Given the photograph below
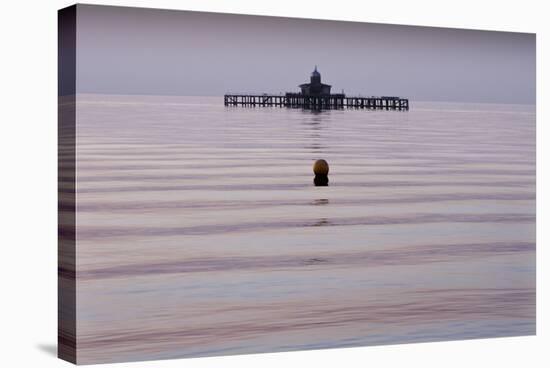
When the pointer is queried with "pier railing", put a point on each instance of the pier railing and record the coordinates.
(321, 102)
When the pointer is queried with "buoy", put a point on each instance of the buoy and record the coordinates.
(320, 168)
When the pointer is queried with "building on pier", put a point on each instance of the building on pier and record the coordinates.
(315, 87)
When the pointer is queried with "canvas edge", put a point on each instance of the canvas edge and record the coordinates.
(66, 187)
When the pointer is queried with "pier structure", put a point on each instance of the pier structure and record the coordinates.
(334, 101)
(316, 96)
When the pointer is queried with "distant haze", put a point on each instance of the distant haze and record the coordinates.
(167, 52)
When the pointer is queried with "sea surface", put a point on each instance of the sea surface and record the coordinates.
(200, 231)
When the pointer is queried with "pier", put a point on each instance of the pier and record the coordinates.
(316, 96)
(321, 102)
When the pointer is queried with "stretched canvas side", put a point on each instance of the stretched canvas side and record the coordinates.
(67, 184)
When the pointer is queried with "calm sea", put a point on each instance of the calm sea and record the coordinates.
(200, 231)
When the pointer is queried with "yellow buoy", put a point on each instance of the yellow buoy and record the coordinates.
(320, 168)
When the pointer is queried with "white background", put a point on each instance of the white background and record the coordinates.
(28, 154)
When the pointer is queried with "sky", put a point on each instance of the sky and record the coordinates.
(123, 50)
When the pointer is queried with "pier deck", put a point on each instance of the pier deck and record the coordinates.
(322, 102)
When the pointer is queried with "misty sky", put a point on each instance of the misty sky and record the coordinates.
(162, 52)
